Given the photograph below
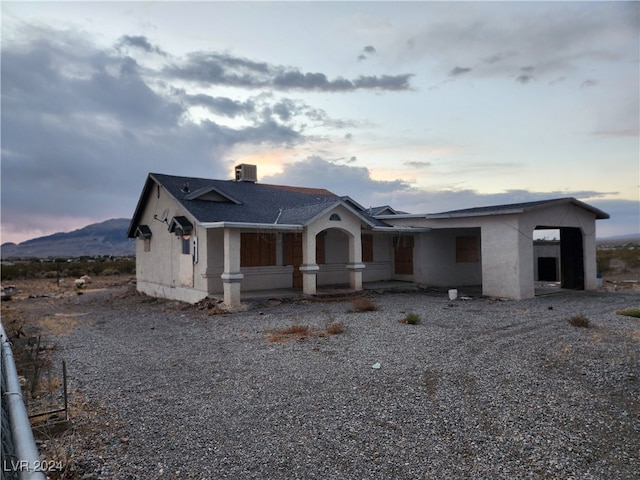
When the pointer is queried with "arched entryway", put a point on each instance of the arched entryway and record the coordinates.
(335, 239)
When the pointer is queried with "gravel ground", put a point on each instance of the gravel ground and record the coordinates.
(480, 389)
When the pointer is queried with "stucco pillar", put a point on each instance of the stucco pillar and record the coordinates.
(355, 265)
(355, 275)
(503, 252)
(231, 276)
(309, 267)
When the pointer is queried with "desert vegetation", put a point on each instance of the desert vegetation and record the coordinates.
(67, 268)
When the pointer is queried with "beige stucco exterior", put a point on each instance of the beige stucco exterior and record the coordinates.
(212, 265)
(208, 262)
(506, 266)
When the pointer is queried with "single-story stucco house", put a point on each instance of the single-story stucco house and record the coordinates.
(199, 238)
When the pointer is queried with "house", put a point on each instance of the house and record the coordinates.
(199, 238)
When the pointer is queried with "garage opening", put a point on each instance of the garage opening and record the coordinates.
(559, 256)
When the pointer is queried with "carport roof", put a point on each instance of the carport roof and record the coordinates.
(505, 209)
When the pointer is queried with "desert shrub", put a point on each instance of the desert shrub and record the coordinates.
(334, 328)
(579, 321)
(630, 312)
(110, 271)
(411, 318)
(363, 304)
(52, 274)
(292, 332)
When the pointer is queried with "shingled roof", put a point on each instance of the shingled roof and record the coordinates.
(228, 201)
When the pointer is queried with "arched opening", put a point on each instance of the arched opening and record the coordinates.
(332, 256)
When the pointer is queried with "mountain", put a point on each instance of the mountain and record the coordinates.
(105, 238)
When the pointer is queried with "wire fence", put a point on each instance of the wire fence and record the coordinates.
(20, 456)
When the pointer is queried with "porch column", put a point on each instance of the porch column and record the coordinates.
(309, 267)
(355, 275)
(355, 265)
(231, 276)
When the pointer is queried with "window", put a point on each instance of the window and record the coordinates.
(367, 248)
(257, 249)
(144, 232)
(467, 249)
(335, 217)
(186, 247)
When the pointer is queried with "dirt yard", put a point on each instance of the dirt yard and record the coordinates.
(582, 406)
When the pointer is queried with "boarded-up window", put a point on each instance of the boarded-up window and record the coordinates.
(367, 248)
(403, 255)
(257, 249)
(320, 248)
(467, 249)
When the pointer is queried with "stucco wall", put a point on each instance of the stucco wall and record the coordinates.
(437, 260)
(507, 245)
(569, 215)
(164, 271)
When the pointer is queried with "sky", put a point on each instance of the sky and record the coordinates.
(423, 106)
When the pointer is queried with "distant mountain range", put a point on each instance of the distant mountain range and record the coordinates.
(105, 238)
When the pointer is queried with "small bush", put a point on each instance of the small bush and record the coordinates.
(411, 319)
(579, 321)
(630, 312)
(334, 328)
(110, 271)
(362, 304)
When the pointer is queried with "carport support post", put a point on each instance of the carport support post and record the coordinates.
(231, 277)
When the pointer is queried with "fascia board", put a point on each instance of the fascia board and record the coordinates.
(260, 226)
(402, 229)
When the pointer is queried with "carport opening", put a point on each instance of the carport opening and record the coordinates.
(559, 256)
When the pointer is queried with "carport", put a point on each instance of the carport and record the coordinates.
(505, 263)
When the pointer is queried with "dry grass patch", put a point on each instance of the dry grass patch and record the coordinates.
(299, 332)
(57, 325)
(363, 304)
(579, 321)
(288, 334)
(334, 328)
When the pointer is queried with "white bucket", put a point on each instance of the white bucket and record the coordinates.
(453, 294)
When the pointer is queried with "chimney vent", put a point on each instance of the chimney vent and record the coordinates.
(246, 173)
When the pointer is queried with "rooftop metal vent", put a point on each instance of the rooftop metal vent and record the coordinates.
(246, 173)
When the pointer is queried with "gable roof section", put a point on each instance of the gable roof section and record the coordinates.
(228, 201)
(506, 209)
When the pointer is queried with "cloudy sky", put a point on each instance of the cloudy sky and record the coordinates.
(424, 106)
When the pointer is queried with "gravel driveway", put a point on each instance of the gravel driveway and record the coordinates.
(479, 389)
